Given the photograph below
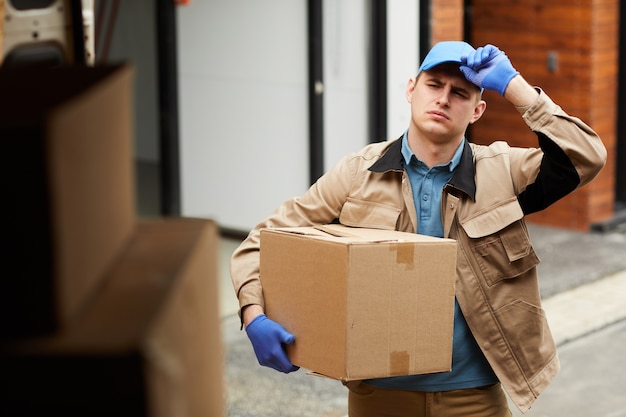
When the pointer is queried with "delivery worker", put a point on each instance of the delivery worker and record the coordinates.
(433, 181)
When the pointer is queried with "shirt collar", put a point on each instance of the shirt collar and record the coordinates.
(408, 154)
(462, 179)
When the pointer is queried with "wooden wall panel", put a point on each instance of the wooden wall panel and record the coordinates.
(603, 101)
(446, 20)
(582, 36)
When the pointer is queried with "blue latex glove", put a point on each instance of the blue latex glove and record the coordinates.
(488, 67)
(267, 339)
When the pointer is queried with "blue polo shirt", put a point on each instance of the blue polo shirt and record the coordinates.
(470, 369)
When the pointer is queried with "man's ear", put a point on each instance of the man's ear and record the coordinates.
(479, 110)
(410, 87)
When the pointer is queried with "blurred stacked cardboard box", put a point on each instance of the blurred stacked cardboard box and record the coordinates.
(100, 314)
(67, 183)
(146, 345)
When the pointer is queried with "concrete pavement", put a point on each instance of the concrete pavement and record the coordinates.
(592, 380)
(583, 282)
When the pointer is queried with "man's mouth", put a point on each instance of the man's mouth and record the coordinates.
(438, 114)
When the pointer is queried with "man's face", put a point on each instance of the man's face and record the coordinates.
(443, 104)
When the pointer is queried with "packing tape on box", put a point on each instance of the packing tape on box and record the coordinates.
(405, 254)
(399, 363)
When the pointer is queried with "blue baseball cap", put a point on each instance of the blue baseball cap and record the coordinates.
(448, 51)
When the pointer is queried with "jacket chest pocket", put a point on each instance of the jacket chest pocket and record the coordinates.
(363, 213)
(500, 243)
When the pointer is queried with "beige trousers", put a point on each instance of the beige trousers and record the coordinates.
(367, 401)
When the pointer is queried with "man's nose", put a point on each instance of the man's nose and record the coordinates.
(444, 97)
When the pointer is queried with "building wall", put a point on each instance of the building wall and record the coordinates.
(243, 108)
(243, 84)
(243, 91)
(446, 20)
(580, 40)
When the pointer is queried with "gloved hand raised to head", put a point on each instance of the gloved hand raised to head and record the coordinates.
(488, 67)
(268, 338)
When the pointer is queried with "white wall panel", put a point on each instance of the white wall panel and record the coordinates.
(402, 61)
(346, 38)
(243, 107)
(243, 75)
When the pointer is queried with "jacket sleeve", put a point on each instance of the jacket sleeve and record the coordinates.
(321, 204)
(573, 154)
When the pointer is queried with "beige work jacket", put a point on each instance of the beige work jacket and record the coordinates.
(483, 209)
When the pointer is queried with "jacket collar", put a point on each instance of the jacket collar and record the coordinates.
(462, 180)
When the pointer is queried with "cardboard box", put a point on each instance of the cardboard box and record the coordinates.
(361, 303)
(149, 343)
(67, 185)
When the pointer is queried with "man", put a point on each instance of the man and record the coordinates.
(433, 181)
